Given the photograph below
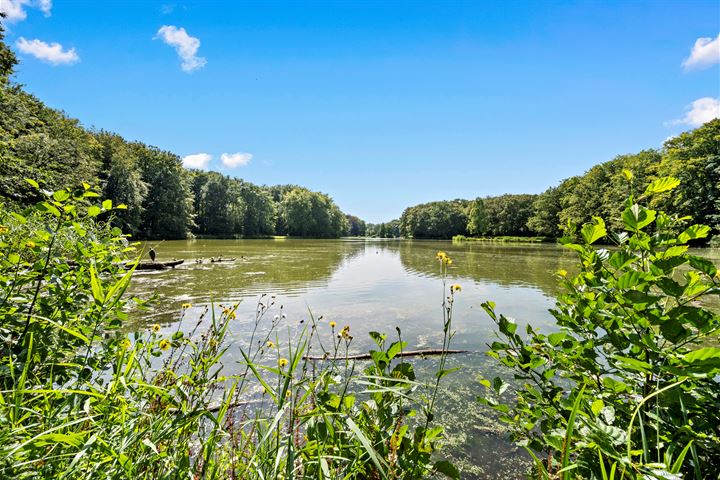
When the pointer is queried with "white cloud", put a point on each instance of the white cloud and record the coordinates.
(15, 9)
(197, 160)
(705, 52)
(185, 46)
(238, 159)
(699, 112)
(53, 53)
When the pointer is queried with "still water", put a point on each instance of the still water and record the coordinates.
(377, 285)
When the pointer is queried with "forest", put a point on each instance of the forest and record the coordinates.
(693, 157)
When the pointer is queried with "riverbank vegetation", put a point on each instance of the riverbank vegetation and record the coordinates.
(81, 397)
(629, 385)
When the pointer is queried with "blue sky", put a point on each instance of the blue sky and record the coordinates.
(382, 105)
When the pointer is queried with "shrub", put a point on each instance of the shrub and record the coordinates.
(629, 385)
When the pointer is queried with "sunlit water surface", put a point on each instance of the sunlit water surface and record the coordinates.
(375, 285)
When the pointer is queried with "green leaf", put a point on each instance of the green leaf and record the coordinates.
(614, 385)
(627, 174)
(631, 279)
(636, 217)
(702, 264)
(94, 211)
(694, 232)
(367, 445)
(107, 204)
(447, 468)
(403, 370)
(556, 338)
(634, 364)
(32, 182)
(597, 407)
(507, 326)
(97, 289)
(662, 185)
(395, 348)
(61, 195)
(703, 355)
(499, 385)
(592, 232)
(440, 374)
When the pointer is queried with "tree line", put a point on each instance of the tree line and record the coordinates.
(693, 157)
(163, 199)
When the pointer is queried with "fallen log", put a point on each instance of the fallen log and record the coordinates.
(406, 353)
(155, 265)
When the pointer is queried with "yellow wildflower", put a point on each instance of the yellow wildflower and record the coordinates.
(164, 344)
(226, 311)
(270, 344)
(232, 315)
(333, 324)
(125, 344)
(441, 255)
(456, 288)
(186, 305)
(3, 229)
(155, 328)
(30, 244)
(282, 362)
(345, 332)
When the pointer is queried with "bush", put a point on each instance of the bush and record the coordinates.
(629, 385)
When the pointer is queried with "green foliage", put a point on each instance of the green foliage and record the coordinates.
(508, 214)
(384, 230)
(356, 226)
(546, 207)
(694, 158)
(43, 144)
(168, 205)
(435, 220)
(311, 214)
(124, 184)
(8, 60)
(477, 218)
(631, 381)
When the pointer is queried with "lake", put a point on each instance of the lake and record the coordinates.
(376, 285)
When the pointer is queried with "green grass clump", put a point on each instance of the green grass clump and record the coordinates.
(503, 239)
